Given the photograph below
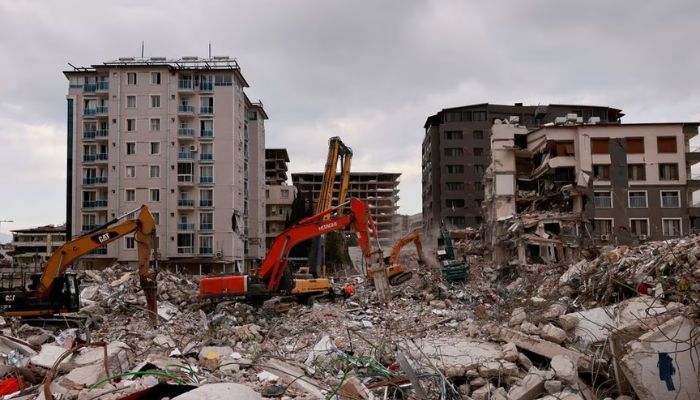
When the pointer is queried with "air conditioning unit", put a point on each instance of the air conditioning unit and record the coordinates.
(219, 254)
(193, 147)
(642, 237)
(605, 238)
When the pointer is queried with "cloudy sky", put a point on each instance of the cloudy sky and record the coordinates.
(368, 71)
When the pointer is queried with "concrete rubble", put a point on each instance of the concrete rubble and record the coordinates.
(619, 325)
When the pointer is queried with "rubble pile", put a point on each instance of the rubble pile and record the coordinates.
(621, 325)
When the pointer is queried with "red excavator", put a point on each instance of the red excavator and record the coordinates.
(273, 277)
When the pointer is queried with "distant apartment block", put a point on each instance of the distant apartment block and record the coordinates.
(279, 196)
(379, 189)
(456, 149)
(276, 166)
(33, 246)
(553, 190)
(177, 135)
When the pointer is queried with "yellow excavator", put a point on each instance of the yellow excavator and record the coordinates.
(394, 270)
(56, 291)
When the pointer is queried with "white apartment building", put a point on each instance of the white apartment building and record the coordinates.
(179, 136)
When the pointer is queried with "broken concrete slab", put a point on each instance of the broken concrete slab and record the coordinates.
(491, 369)
(552, 387)
(544, 348)
(528, 389)
(85, 376)
(553, 334)
(517, 317)
(449, 352)
(295, 374)
(221, 391)
(564, 368)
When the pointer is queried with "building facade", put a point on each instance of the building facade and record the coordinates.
(279, 196)
(379, 189)
(456, 149)
(254, 186)
(555, 190)
(175, 135)
(32, 247)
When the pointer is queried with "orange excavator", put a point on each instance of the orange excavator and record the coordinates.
(273, 277)
(394, 270)
(56, 291)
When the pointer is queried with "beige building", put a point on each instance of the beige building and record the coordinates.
(179, 136)
(279, 196)
(33, 246)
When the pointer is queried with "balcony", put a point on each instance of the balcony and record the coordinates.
(185, 132)
(89, 112)
(206, 110)
(100, 251)
(185, 155)
(102, 110)
(98, 134)
(185, 227)
(206, 180)
(206, 250)
(185, 85)
(206, 227)
(185, 179)
(94, 157)
(206, 86)
(185, 203)
(206, 134)
(694, 181)
(88, 227)
(103, 85)
(206, 203)
(98, 180)
(90, 88)
(692, 154)
(185, 109)
(95, 204)
(206, 157)
(185, 249)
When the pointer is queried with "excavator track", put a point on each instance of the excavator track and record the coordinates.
(400, 278)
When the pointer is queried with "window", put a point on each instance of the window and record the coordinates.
(154, 171)
(130, 101)
(636, 172)
(455, 169)
(668, 172)
(478, 186)
(130, 195)
(456, 221)
(206, 244)
(130, 171)
(206, 221)
(637, 199)
(478, 134)
(154, 194)
(602, 199)
(671, 227)
(599, 146)
(454, 151)
(155, 147)
(478, 169)
(479, 116)
(454, 135)
(130, 242)
(639, 226)
(155, 124)
(666, 144)
(252, 115)
(635, 146)
(284, 193)
(565, 149)
(130, 125)
(453, 116)
(670, 199)
(206, 174)
(603, 226)
(130, 148)
(601, 172)
(454, 203)
(454, 186)
(131, 78)
(477, 203)
(478, 151)
(155, 101)
(156, 217)
(155, 78)
(206, 198)
(267, 193)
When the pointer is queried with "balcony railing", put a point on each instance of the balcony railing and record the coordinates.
(102, 110)
(206, 227)
(206, 250)
(638, 202)
(99, 251)
(206, 86)
(103, 85)
(88, 227)
(185, 249)
(185, 203)
(94, 203)
(206, 203)
(185, 227)
(184, 84)
(185, 155)
(95, 157)
(95, 180)
(602, 202)
(206, 156)
(185, 178)
(187, 132)
(185, 109)
(206, 110)
(206, 134)
(90, 135)
(670, 202)
(206, 179)
(90, 111)
(90, 87)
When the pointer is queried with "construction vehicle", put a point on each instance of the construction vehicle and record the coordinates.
(453, 269)
(338, 152)
(394, 270)
(56, 291)
(273, 278)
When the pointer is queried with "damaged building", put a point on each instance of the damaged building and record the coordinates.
(556, 190)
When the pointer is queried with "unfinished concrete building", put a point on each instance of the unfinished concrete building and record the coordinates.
(379, 189)
(33, 246)
(456, 149)
(279, 196)
(570, 185)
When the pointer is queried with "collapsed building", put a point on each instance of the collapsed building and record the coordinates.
(569, 186)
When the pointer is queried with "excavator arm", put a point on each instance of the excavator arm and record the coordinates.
(414, 237)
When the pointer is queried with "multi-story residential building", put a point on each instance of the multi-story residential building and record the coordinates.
(279, 196)
(379, 189)
(554, 190)
(456, 149)
(415, 221)
(174, 135)
(33, 246)
(254, 187)
(276, 166)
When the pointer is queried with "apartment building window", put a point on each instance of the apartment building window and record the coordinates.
(453, 116)
(636, 172)
(206, 198)
(130, 171)
(252, 115)
(155, 148)
(454, 186)
(131, 78)
(185, 243)
(454, 203)
(155, 78)
(637, 199)
(154, 194)
(564, 149)
(206, 174)
(284, 193)
(478, 220)
(456, 221)
(130, 124)
(478, 186)
(668, 172)
(156, 217)
(154, 171)
(130, 101)
(603, 226)
(478, 151)
(454, 135)
(206, 244)
(454, 151)
(130, 242)
(602, 199)
(478, 134)
(670, 199)
(267, 193)
(206, 221)
(455, 169)
(477, 203)
(639, 226)
(478, 169)
(130, 194)
(601, 172)
(131, 148)
(155, 101)
(600, 146)
(478, 115)
(671, 227)
(635, 145)
(666, 144)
